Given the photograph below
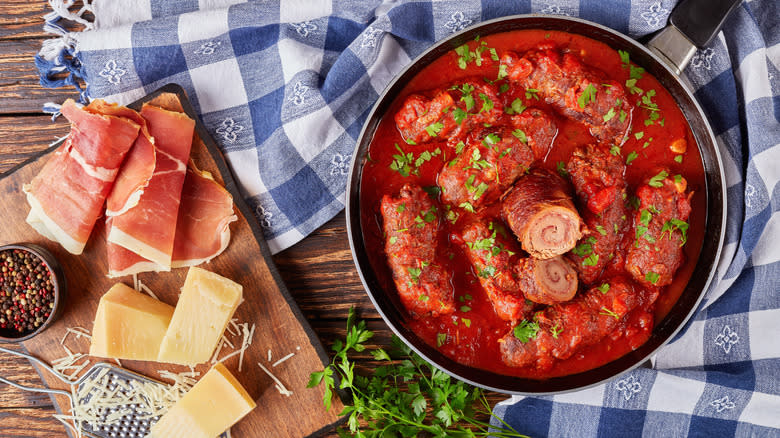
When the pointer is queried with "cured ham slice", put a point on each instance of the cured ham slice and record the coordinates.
(541, 213)
(206, 211)
(137, 169)
(202, 228)
(66, 197)
(148, 228)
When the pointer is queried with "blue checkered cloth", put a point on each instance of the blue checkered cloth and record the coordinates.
(284, 86)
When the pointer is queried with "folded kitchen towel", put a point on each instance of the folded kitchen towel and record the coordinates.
(284, 86)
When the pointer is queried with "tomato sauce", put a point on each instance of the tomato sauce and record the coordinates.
(472, 332)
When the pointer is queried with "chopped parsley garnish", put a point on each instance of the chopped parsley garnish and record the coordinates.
(423, 298)
(487, 103)
(591, 260)
(459, 147)
(604, 288)
(516, 108)
(414, 274)
(531, 93)
(609, 115)
(561, 166)
(502, 73)
(644, 217)
(639, 135)
(676, 224)
(555, 331)
(582, 250)
(432, 191)
(493, 54)
(587, 96)
(466, 96)
(467, 206)
(520, 134)
(601, 230)
(401, 207)
(503, 154)
(459, 115)
(441, 338)
(402, 162)
(503, 88)
(614, 150)
(632, 88)
(678, 158)
(631, 157)
(607, 312)
(465, 55)
(491, 139)
(426, 156)
(656, 180)
(677, 179)
(623, 116)
(652, 277)
(525, 331)
(624, 58)
(488, 272)
(393, 239)
(466, 322)
(636, 72)
(465, 308)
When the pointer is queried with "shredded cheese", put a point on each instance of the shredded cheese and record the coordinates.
(279, 385)
(269, 355)
(282, 360)
(144, 288)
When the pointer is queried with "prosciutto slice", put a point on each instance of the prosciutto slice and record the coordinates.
(66, 197)
(202, 228)
(148, 228)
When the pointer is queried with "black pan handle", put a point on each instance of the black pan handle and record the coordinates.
(701, 20)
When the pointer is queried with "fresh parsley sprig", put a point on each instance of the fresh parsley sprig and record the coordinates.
(406, 397)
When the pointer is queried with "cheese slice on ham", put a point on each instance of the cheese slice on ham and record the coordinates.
(202, 228)
(66, 197)
(148, 228)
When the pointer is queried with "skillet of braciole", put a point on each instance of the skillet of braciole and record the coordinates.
(536, 201)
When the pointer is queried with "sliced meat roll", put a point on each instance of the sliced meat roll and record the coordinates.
(547, 281)
(542, 215)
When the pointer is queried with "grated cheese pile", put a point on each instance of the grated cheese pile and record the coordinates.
(102, 400)
(235, 329)
(69, 366)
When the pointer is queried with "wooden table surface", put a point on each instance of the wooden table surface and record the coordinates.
(318, 271)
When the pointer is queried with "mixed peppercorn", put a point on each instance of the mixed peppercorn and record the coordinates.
(26, 292)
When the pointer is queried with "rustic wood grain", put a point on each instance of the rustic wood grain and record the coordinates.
(22, 19)
(24, 137)
(29, 422)
(20, 89)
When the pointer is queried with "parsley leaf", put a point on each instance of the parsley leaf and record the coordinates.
(525, 331)
(656, 180)
(561, 166)
(407, 395)
(652, 277)
(517, 107)
(459, 115)
(631, 157)
(591, 260)
(604, 288)
(588, 95)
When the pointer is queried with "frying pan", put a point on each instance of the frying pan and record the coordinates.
(665, 57)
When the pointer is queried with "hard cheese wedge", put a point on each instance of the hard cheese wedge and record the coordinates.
(206, 304)
(214, 404)
(129, 325)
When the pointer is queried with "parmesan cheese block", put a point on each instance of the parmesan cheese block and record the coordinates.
(129, 325)
(206, 304)
(214, 404)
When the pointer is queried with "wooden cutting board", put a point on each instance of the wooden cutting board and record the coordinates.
(280, 325)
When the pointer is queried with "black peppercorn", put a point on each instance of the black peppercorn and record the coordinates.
(25, 289)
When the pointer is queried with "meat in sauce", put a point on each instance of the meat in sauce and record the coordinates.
(597, 176)
(411, 224)
(661, 229)
(486, 141)
(580, 92)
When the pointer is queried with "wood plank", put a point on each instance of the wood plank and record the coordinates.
(22, 19)
(20, 89)
(24, 137)
(30, 422)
